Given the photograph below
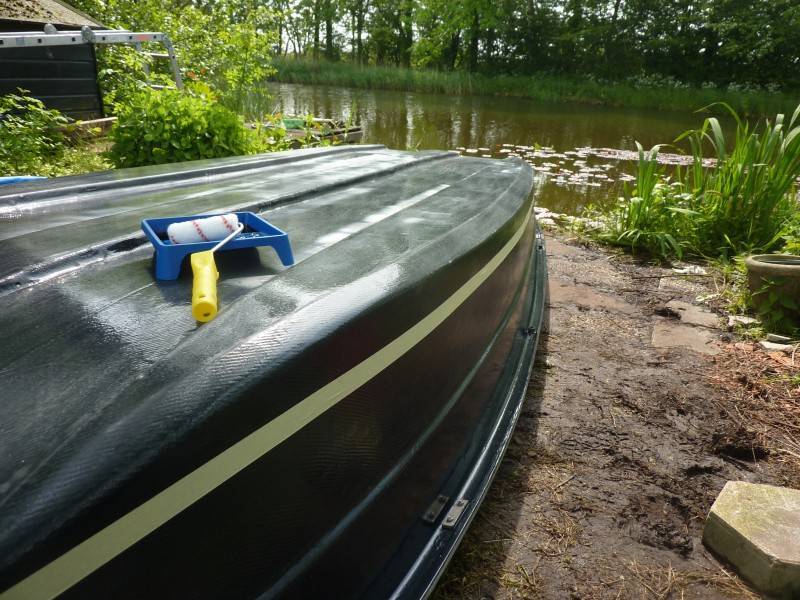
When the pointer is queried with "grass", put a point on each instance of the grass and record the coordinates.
(662, 582)
(545, 88)
(651, 215)
(83, 157)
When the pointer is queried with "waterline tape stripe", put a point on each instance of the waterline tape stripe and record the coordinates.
(91, 554)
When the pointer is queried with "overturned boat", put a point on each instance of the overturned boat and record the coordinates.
(331, 433)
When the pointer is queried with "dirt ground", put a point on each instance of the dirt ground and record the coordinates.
(622, 446)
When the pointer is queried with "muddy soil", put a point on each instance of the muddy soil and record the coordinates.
(620, 451)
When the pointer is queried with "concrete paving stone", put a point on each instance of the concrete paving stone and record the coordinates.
(756, 528)
(668, 334)
(568, 293)
(692, 314)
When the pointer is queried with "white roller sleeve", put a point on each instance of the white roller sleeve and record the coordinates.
(209, 229)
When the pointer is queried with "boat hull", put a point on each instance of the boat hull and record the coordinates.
(333, 442)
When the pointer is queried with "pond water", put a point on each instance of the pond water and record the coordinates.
(405, 120)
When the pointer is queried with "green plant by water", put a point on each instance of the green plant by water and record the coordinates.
(744, 202)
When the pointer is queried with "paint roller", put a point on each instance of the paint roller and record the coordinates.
(209, 229)
(204, 286)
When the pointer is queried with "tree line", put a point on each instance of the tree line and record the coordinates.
(737, 43)
(743, 43)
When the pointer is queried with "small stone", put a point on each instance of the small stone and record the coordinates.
(734, 320)
(690, 270)
(756, 528)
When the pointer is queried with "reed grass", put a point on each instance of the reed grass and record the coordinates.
(745, 202)
(747, 199)
(543, 87)
(653, 215)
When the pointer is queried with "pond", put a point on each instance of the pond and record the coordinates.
(567, 182)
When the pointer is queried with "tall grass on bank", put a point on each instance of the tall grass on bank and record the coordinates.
(545, 88)
(651, 216)
(745, 202)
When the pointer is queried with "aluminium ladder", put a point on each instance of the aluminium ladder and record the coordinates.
(53, 37)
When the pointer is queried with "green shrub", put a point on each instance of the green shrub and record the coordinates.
(29, 135)
(163, 126)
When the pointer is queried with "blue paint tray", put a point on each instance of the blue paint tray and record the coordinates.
(257, 232)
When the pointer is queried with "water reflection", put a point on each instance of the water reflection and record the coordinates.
(407, 120)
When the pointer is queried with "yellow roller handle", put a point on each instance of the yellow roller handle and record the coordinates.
(204, 290)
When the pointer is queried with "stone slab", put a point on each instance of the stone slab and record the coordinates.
(667, 334)
(772, 346)
(756, 528)
(582, 296)
(692, 314)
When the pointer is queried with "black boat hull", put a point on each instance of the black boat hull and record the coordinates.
(339, 451)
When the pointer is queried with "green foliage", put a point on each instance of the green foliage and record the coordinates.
(29, 135)
(746, 201)
(79, 159)
(121, 75)
(733, 286)
(164, 126)
(706, 47)
(225, 43)
(791, 235)
(32, 143)
(777, 309)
